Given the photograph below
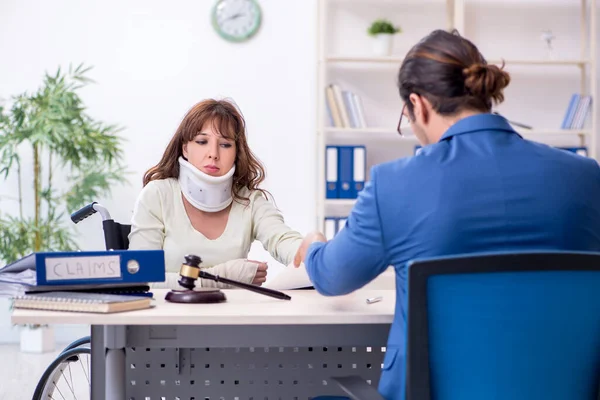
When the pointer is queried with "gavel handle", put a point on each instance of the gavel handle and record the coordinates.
(257, 289)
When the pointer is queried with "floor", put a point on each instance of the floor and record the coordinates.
(20, 372)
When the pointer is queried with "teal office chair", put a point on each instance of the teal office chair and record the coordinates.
(501, 326)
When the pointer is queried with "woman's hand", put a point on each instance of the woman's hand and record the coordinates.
(306, 242)
(261, 273)
(239, 269)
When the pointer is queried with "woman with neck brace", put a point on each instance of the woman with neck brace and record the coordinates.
(203, 198)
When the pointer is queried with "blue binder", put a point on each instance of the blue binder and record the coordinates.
(359, 169)
(333, 225)
(346, 172)
(93, 267)
(582, 151)
(331, 173)
(341, 223)
(330, 227)
(571, 111)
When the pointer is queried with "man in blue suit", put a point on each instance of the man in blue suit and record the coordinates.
(476, 186)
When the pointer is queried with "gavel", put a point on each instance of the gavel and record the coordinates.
(190, 272)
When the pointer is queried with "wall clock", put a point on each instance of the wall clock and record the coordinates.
(236, 20)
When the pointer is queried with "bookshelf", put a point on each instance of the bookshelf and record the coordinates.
(396, 61)
(345, 59)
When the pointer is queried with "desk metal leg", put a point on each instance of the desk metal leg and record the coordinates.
(97, 367)
(114, 341)
(115, 374)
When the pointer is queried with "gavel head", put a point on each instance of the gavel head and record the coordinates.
(189, 272)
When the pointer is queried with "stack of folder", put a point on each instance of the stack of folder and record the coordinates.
(333, 225)
(577, 112)
(114, 271)
(345, 171)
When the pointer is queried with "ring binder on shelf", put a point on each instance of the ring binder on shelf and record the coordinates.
(331, 173)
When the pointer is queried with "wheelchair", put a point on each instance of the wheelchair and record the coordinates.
(57, 380)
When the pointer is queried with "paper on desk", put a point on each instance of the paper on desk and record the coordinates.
(290, 278)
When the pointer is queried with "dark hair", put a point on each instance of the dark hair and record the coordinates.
(229, 123)
(450, 72)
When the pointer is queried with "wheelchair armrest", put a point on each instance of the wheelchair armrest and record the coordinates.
(357, 388)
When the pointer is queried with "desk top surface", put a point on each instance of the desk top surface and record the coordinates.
(241, 308)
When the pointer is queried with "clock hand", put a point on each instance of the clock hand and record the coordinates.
(234, 16)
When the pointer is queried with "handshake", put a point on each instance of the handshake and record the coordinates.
(260, 276)
(309, 239)
(255, 272)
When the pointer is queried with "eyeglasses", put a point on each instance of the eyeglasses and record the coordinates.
(400, 121)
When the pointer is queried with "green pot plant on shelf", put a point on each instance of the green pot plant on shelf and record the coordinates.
(383, 31)
(54, 158)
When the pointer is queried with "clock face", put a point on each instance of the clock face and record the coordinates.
(236, 20)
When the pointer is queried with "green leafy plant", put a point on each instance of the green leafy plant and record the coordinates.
(75, 160)
(383, 26)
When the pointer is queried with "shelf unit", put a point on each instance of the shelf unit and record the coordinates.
(364, 66)
(396, 61)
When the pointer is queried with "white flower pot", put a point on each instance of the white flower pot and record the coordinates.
(37, 340)
(382, 44)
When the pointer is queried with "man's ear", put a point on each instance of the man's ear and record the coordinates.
(414, 100)
(427, 109)
(417, 105)
(421, 107)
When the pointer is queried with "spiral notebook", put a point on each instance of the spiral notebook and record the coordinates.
(82, 302)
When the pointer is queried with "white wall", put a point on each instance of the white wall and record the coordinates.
(154, 59)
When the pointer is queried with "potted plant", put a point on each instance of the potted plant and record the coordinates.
(383, 32)
(74, 159)
(37, 338)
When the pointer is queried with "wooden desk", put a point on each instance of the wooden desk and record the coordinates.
(251, 346)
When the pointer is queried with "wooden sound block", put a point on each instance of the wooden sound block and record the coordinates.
(200, 295)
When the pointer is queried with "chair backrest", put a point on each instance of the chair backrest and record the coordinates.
(116, 235)
(504, 326)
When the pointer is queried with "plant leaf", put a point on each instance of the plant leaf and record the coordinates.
(88, 152)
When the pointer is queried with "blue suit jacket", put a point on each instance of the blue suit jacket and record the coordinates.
(482, 187)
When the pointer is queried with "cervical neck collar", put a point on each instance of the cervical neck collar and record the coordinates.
(205, 192)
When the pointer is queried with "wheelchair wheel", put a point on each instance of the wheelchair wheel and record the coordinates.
(78, 342)
(67, 377)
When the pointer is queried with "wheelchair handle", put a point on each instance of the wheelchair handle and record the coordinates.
(88, 210)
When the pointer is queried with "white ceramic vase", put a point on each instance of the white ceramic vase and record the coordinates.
(382, 44)
(37, 340)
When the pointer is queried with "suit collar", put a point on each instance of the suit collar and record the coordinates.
(479, 122)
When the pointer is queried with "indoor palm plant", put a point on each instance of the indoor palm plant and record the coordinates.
(75, 159)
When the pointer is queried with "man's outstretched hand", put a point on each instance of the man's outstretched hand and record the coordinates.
(306, 242)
